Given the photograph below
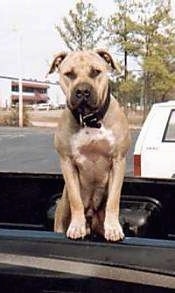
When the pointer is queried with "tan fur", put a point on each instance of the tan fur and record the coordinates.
(92, 159)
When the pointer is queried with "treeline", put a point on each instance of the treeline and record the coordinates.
(141, 34)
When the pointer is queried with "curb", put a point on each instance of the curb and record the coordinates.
(44, 124)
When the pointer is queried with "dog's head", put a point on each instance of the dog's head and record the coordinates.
(84, 76)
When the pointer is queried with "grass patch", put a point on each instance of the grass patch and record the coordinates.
(11, 117)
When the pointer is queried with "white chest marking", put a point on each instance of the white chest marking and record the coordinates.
(87, 135)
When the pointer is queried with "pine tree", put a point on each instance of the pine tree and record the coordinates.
(122, 30)
(157, 53)
(122, 36)
(145, 30)
(82, 28)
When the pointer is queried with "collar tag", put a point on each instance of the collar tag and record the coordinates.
(82, 123)
(89, 120)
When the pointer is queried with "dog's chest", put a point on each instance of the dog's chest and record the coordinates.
(92, 144)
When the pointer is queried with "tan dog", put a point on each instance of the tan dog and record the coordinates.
(92, 140)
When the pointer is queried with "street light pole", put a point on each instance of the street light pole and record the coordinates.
(20, 80)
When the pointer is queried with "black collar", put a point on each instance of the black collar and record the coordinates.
(92, 119)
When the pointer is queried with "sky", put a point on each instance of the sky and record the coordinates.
(27, 29)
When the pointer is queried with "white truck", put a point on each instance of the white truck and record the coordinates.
(154, 154)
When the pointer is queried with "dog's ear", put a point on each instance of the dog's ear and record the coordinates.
(108, 58)
(57, 61)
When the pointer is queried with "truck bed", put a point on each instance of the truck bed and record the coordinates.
(34, 258)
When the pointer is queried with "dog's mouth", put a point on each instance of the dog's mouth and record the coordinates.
(86, 110)
(83, 98)
(84, 107)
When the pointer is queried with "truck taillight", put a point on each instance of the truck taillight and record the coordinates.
(137, 165)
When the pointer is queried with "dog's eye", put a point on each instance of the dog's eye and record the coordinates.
(94, 72)
(70, 74)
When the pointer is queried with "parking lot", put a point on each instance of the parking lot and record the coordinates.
(31, 149)
(28, 150)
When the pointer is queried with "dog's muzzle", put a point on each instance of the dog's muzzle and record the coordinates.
(85, 114)
(84, 96)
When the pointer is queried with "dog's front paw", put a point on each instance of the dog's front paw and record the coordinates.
(113, 230)
(76, 230)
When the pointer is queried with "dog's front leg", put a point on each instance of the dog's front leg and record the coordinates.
(112, 227)
(77, 227)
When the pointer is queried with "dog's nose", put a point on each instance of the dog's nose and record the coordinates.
(83, 91)
(80, 94)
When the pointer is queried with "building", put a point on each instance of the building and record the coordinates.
(34, 92)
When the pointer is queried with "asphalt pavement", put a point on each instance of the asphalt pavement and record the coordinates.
(32, 150)
(28, 150)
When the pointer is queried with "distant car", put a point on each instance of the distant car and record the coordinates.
(62, 106)
(43, 106)
(154, 154)
(29, 107)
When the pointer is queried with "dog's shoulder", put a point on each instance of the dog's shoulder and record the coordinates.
(66, 127)
(116, 117)
(118, 123)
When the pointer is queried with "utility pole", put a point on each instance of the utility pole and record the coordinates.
(125, 50)
(20, 79)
